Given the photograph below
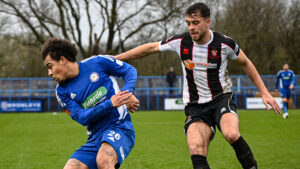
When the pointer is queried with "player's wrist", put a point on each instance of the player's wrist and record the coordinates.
(109, 104)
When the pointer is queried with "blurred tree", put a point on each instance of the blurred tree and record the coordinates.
(267, 30)
(158, 64)
(290, 36)
(256, 26)
(87, 22)
(18, 59)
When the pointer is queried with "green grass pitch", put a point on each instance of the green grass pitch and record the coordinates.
(45, 140)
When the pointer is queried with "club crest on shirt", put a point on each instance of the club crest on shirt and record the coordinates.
(73, 95)
(189, 64)
(94, 77)
(214, 53)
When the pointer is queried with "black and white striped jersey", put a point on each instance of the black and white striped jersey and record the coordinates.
(204, 66)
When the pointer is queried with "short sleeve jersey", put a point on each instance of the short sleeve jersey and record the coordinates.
(204, 66)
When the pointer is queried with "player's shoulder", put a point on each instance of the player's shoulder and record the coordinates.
(97, 58)
(61, 89)
(61, 94)
(280, 72)
(224, 39)
(184, 35)
(101, 59)
(291, 71)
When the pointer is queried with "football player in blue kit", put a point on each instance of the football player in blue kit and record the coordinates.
(89, 93)
(285, 83)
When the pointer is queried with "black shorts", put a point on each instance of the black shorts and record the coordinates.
(211, 112)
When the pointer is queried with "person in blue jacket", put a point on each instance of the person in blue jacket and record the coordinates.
(89, 93)
(285, 82)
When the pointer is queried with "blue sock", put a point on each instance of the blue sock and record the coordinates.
(285, 107)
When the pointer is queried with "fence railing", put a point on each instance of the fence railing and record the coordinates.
(150, 90)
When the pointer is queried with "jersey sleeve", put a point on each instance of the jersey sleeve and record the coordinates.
(277, 80)
(77, 113)
(170, 44)
(233, 50)
(119, 68)
(293, 78)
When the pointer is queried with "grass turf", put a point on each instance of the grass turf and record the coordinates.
(45, 140)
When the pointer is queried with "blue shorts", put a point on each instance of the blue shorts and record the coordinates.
(120, 139)
(285, 93)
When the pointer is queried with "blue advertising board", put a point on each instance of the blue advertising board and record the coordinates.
(21, 106)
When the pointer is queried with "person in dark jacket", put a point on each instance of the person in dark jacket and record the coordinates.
(171, 79)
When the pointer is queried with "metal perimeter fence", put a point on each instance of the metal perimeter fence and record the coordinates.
(38, 94)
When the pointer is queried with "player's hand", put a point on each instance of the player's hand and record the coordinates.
(269, 100)
(133, 104)
(291, 87)
(120, 98)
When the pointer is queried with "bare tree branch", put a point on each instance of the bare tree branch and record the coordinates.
(39, 18)
(19, 14)
(134, 14)
(60, 7)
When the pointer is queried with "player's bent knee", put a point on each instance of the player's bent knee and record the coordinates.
(232, 136)
(196, 148)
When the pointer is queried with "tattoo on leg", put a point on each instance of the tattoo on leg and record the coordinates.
(108, 150)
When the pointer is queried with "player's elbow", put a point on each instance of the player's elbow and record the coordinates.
(81, 118)
(133, 72)
(153, 47)
(83, 121)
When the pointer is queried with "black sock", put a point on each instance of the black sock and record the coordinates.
(199, 162)
(244, 154)
(117, 166)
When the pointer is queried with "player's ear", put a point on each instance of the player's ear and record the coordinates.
(62, 60)
(208, 21)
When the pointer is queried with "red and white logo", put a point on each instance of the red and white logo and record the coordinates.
(214, 53)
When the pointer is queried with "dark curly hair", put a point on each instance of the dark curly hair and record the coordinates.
(59, 47)
(198, 8)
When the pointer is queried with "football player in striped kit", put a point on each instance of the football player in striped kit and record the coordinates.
(207, 91)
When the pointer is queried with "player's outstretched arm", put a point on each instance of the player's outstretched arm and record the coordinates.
(140, 51)
(251, 71)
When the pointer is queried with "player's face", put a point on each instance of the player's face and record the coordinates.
(198, 26)
(285, 67)
(56, 69)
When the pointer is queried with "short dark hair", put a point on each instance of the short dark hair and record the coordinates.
(59, 47)
(198, 8)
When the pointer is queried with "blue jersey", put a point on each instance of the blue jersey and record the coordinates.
(86, 97)
(285, 79)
